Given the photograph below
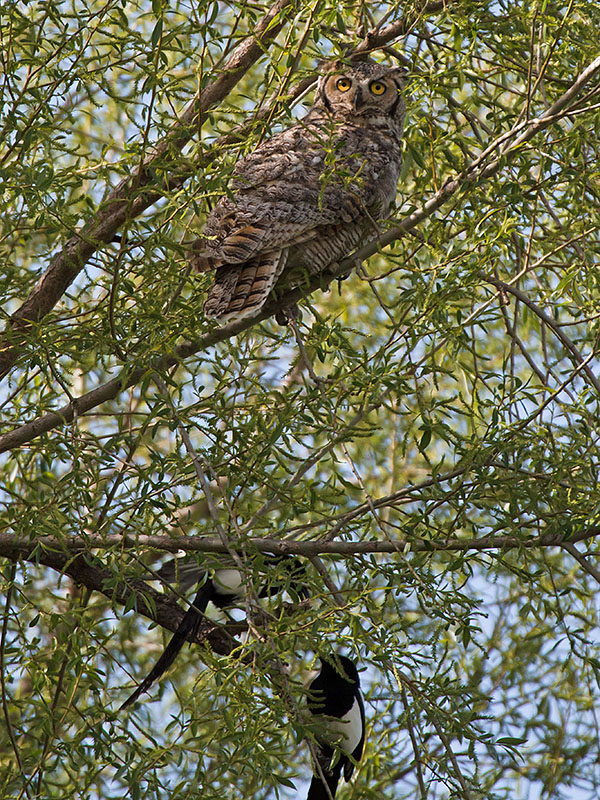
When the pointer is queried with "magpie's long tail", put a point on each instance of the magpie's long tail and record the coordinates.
(317, 789)
(188, 626)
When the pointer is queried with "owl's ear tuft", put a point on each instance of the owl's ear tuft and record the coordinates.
(399, 75)
(326, 67)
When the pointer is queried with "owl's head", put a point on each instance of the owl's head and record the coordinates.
(363, 89)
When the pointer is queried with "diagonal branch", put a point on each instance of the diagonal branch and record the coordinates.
(583, 562)
(547, 320)
(87, 571)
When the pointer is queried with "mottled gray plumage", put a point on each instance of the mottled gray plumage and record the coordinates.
(309, 196)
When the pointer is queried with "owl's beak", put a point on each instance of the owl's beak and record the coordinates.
(358, 99)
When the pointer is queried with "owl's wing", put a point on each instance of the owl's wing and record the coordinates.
(284, 196)
(244, 233)
(281, 193)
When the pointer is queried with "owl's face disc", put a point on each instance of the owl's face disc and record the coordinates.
(362, 90)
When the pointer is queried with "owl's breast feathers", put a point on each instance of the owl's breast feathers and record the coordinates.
(309, 181)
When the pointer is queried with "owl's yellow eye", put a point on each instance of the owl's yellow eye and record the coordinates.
(378, 88)
(343, 84)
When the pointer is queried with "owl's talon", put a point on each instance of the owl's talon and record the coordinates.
(345, 275)
(286, 313)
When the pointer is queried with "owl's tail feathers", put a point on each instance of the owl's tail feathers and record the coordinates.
(240, 290)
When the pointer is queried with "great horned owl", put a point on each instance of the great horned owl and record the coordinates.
(309, 196)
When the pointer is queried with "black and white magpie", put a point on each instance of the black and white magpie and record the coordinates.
(335, 695)
(224, 589)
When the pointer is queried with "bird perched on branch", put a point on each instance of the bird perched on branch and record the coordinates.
(308, 197)
(335, 696)
(224, 588)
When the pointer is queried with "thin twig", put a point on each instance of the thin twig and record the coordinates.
(414, 743)
(550, 323)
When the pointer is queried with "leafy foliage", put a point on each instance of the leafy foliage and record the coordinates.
(430, 426)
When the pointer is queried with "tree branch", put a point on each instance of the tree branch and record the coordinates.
(14, 548)
(547, 320)
(582, 560)
(86, 570)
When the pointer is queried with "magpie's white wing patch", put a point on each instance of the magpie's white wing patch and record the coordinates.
(350, 728)
(228, 580)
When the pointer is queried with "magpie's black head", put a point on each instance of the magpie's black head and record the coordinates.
(340, 666)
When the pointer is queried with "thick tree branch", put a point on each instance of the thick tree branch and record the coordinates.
(87, 571)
